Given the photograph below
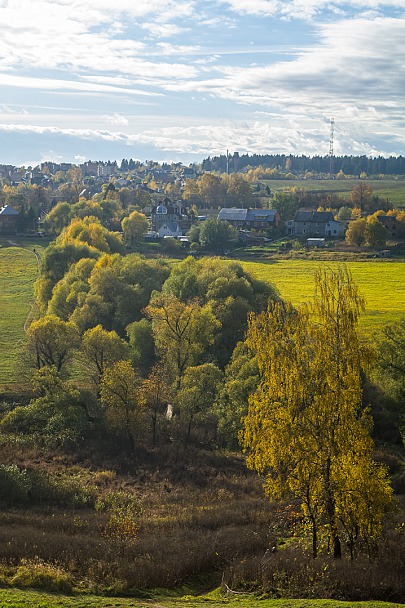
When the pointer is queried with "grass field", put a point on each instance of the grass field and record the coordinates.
(381, 283)
(393, 189)
(18, 271)
(13, 598)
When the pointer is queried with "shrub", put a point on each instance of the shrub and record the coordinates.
(37, 574)
(14, 484)
(65, 490)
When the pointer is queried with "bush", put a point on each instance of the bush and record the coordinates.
(62, 490)
(37, 574)
(14, 485)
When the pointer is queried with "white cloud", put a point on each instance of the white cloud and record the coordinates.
(117, 120)
(306, 9)
(356, 63)
(211, 139)
(162, 30)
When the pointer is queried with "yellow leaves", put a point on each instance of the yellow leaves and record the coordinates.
(305, 427)
(87, 230)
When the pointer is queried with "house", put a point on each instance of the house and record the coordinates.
(8, 220)
(256, 219)
(389, 222)
(318, 224)
(169, 218)
(335, 229)
(169, 229)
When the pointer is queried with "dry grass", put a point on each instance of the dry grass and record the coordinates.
(200, 517)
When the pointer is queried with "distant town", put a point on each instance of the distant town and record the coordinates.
(233, 189)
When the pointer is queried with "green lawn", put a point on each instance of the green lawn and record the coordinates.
(18, 271)
(381, 283)
(13, 598)
(393, 189)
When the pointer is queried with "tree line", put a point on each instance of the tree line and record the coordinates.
(349, 165)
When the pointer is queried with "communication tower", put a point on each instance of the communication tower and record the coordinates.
(331, 156)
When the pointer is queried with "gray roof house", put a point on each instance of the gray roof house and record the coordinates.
(318, 224)
(258, 219)
(169, 229)
(8, 219)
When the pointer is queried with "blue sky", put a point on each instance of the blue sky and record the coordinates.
(181, 80)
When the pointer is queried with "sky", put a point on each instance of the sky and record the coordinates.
(181, 80)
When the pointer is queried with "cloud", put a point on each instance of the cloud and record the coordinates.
(162, 30)
(259, 136)
(117, 119)
(356, 64)
(307, 9)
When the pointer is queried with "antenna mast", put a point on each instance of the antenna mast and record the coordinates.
(331, 157)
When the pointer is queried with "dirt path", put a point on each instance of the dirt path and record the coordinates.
(33, 303)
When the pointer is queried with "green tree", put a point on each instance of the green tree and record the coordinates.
(390, 372)
(217, 235)
(241, 379)
(58, 415)
(121, 396)
(355, 233)
(375, 233)
(157, 393)
(71, 289)
(142, 343)
(197, 393)
(56, 261)
(305, 428)
(52, 342)
(182, 331)
(344, 214)
(194, 233)
(58, 218)
(135, 226)
(230, 291)
(286, 203)
(102, 348)
(120, 287)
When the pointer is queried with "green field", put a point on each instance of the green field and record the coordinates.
(393, 189)
(381, 283)
(18, 271)
(13, 598)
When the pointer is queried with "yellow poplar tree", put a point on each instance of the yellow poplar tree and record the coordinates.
(306, 429)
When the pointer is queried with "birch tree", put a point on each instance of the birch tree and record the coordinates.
(306, 430)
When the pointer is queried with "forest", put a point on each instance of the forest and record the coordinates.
(349, 165)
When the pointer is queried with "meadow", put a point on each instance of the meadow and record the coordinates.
(391, 189)
(381, 283)
(18, 271)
